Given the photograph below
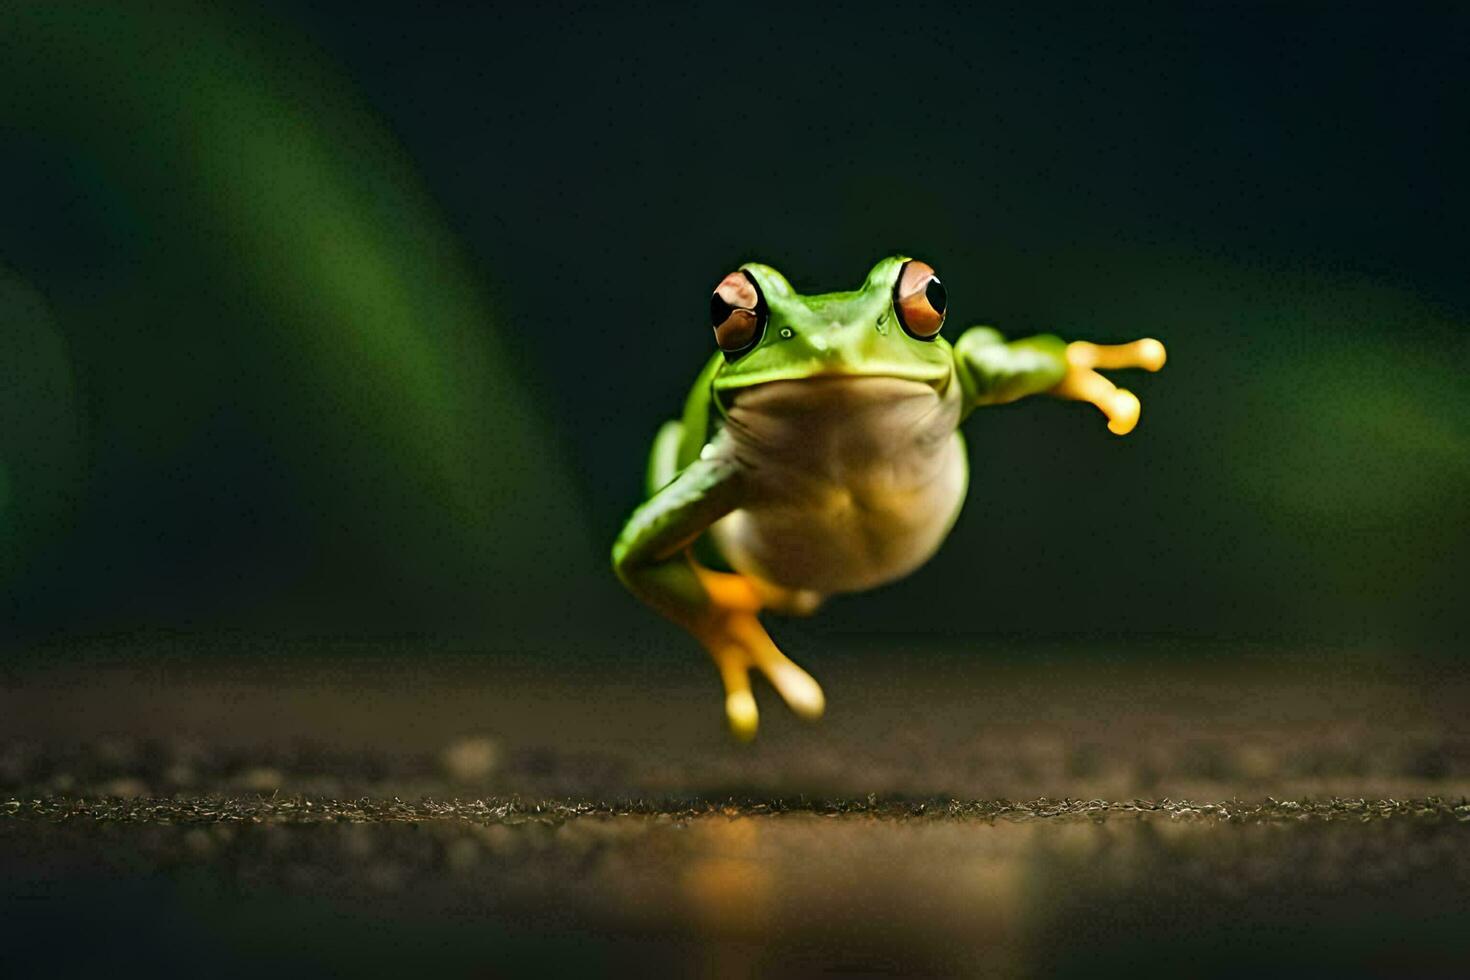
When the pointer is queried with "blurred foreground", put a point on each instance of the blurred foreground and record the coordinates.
(364, 808)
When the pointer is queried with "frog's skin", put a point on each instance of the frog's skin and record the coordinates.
(826, 457)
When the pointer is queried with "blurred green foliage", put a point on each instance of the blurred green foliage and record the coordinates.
(319, 318)
(278, 284)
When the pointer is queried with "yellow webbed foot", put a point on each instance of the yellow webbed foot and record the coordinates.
(1083, 382)
(738, 643)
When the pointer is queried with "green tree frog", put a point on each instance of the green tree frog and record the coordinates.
(819, 452)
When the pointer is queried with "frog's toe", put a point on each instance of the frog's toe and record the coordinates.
(1122, 411)
(1150, 353)
(1147, 353)
(797, 688)
(792, 602)
(740, 710)
(742, 714)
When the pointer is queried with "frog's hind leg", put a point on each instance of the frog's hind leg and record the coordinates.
(663, 458)
(739, 643)
(653, 558)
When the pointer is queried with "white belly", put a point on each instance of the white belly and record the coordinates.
(853, 482)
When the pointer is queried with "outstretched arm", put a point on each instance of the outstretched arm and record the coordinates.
(993, 371)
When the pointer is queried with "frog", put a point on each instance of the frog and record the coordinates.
(820, 452)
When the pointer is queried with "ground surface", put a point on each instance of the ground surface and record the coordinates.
(993, 811)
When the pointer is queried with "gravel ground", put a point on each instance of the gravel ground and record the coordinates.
(1039, 812)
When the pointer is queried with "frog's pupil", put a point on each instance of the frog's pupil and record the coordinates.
(719, 310)
(936, 295)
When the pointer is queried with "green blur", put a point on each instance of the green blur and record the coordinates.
(293, 277)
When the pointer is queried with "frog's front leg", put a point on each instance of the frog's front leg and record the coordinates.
(720, 609)
(994, 371)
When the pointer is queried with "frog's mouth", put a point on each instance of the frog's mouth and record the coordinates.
(838, 394)
(936, 376)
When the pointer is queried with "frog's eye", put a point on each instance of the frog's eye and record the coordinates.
(737, 312)
(920, 299)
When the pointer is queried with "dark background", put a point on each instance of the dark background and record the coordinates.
(330, 322)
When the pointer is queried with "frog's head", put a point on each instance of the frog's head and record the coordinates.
(889, 327)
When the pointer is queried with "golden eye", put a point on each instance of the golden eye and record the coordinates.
(737, 312)
(920, 299)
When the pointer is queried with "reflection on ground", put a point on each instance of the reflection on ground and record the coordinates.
(1183, 816)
